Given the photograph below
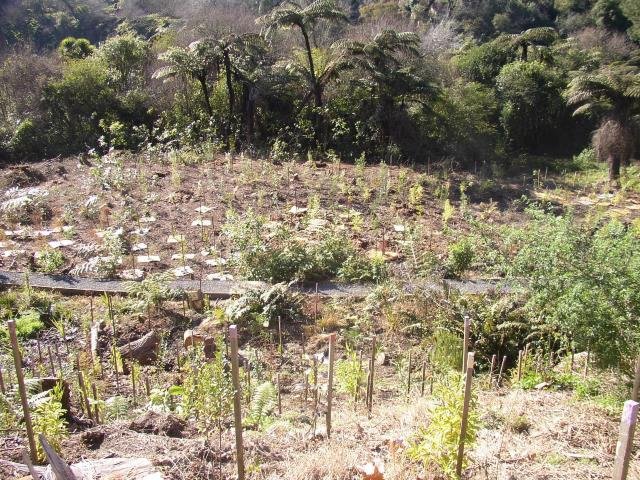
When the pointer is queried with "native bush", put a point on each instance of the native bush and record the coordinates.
(583, 282)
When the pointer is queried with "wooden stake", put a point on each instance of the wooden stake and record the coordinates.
(465, 412)
(237, 400)
(39, 351)
(625, 439)
(96, 413)
(59, 359)
(493, 367)
(636, 382)
(85, 395)
(147, 386)
(280, 337)
(332, 354)
(465, 346)
(2, 390)
(409, 377)
(315, 306)
(502, 365)
(133, 383)
(279, 394)
(372, 364)
(519, 365)
(53, 368)
(17, 360)
(586, 365)
(424, 373)
(315, 395)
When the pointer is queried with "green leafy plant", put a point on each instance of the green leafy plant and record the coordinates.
(260, 309)
(152, 291)
(48, 420)
(460, 258)
(436, 446)
(207, 392)
(28, 324)
(349, 374)
(360, 269)
(263, 403)
(49, 260)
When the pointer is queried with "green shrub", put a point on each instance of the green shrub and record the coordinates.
(259, 310)
(28, 324)
(349, 374)
(460, 258)
(437, 444)
(28, 141)
(360, 269)
(48, 420)
(583, 283)
(49, 260)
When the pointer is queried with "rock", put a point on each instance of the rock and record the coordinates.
(144, 350)
(192, 338)
(92, 439)
(159, 424)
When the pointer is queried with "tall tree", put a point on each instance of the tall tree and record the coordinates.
(291, 14)
(388, 74)
(613, 94)
(195, 62)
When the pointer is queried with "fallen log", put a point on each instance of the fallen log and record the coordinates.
(144, 350)
(104, 469)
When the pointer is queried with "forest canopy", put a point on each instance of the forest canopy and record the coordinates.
(413, 80)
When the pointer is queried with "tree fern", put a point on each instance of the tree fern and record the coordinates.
(262, 405)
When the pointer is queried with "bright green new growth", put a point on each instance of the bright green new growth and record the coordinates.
(436, 446)
(349, 374)
(262, 405)
(48, 420)
(207, 393)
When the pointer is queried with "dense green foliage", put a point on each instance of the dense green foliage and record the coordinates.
(583, 283)
(425, 80)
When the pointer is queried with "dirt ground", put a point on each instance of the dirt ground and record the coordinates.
(154, 199)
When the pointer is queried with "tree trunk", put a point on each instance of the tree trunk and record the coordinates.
(230, 93)
(317, 91)
(614, 169)
(205, 92)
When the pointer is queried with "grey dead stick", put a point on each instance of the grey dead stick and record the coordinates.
(493, 367)
(502, 365)
(32, 471)
(17, 360)
(520, 365)
(332, 354)
(237, 400)
(625, 440)
(60, 469)
(372, 364)
(53, 367)
(465, 412)
(409, 376)
(96, 412)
